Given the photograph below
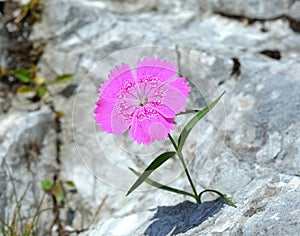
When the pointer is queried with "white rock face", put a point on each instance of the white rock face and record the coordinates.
(262, 207)
(27, 156)
(247, 147)
(256, 9)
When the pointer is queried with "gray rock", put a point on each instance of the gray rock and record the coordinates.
(164, 219)
(255, 146)
(294, 9)
(255, 9)
(27, 156)
(248, 147)
(261, 211)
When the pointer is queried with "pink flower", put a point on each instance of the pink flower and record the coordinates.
(145, 102)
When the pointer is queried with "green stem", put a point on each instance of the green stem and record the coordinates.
(189, 177)
(179, 153)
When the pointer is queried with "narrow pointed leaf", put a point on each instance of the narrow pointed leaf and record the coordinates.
(153, 166)
(24, 89)
(63, 78)
(22, 74)
(161, 186)
(70, 184)
(191, 124)
(229, 201)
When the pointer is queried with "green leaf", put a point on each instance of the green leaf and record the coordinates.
(42, 91)
(63, 78)
(188, 112)
(58, 192)
(229, 201)
(59, 197)
(191, 124)
(24, 89)
(161, 186)
(47, 184)
(153, 166)
(22, 74)
(70, 184)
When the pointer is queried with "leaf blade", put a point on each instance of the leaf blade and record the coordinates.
(191, 124)
(22, 74)
(46, 184)
(63, 78)
(42, 91)
(24, 89)
(161, 186)
(70, 184)
(148, 171)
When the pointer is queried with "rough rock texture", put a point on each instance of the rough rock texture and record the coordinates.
(265, 207)
(249, 144)
(27, 156)
(252, 138)
(255, 9)
(161, 221)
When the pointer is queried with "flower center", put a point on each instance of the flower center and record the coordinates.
(135, 97)
(143, 101)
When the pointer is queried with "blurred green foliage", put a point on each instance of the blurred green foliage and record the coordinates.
(36, 84)
(57, 189)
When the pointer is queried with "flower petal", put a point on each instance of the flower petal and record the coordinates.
(158, 131)
(119, 122)
(109, 117)
(103, 114)
(174, 98)
(151, 67)
(164, 110)
(151, 128)
(181, 85)
(138, 131)
(119, 78)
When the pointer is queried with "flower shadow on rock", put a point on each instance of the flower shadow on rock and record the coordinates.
(182, 217)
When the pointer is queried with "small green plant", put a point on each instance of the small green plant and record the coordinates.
(57, 190)
(36, 84)
(18, 224)
(33, 8)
